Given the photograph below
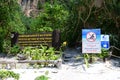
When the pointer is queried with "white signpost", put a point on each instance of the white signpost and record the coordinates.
(91, 41)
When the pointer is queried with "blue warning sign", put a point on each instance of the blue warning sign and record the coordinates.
(105, 41)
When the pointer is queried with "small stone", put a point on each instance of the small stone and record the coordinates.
(21, 57)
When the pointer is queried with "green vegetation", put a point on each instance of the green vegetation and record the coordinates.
(14, 50)
(53, 17)
(43, 77)
(93, 57)
(104, 53)
(10, 20)
(4, 74)
(41, 53)
(86, 59)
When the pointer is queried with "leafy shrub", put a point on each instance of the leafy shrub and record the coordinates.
(2, 33)
(15, 49)
(53, 16)
(104, 53)
(86, 59)
(41, 53)
(42, 77)
(7, 74)
(6, 46)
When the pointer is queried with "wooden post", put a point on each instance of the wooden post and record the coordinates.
(14, 37)
(56, 42)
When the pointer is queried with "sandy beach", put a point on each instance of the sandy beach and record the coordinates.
(73, 71)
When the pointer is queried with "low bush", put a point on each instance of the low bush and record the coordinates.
(4, 74)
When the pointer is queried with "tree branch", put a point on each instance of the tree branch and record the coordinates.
(89, 12)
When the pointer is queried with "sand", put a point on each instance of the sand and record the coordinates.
(73, 71)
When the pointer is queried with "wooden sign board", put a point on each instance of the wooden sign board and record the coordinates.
(35, 39)
(43, 38)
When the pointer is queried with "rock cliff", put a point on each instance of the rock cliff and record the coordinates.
(30, 7)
